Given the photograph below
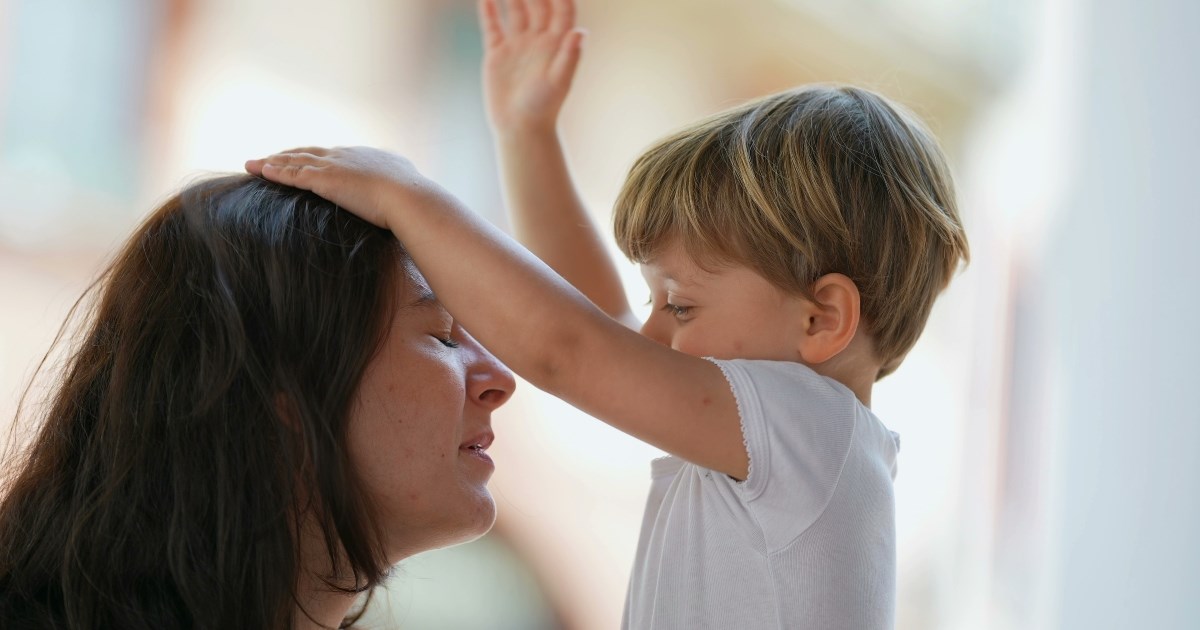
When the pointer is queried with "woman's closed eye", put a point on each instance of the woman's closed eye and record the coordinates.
(445, 335)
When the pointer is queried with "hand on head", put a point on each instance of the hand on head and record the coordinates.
(361, 180)
(529, 60)
(232, 411)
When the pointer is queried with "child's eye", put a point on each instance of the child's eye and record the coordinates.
(680, 312)
(447, 341)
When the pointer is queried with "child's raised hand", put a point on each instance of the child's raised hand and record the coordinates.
(362, 180)
(529, 60)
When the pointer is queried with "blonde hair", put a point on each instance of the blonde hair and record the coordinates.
(796, 185)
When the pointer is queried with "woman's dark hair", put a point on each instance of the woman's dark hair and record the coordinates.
(202, 412)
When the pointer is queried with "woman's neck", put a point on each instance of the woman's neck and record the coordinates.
(318, 605)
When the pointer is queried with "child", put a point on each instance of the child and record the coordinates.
(796, 243)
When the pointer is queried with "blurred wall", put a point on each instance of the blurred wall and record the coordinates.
(1114, 293)
(1047, 479)
(1082, 167)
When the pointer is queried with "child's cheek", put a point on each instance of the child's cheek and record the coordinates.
(688, 343)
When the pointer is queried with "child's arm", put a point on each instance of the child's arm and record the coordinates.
(529, 61)
(526, 314)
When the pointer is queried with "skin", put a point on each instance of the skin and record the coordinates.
(425, 400)
(732, 312)
(542, 327)
(579, 346)
(528, 67)
(418, 436)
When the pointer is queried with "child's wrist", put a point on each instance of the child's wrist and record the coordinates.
(520, 131)
(426, 193)
(517, 127)
(403, 208)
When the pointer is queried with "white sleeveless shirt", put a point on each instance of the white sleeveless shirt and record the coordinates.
(806, 541)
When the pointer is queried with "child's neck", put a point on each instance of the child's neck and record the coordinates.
(855, 367)
(861, 386)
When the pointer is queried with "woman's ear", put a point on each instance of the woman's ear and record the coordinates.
(832, 318)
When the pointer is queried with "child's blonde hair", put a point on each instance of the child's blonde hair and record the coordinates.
(796, 185)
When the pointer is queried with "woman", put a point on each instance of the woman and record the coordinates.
(267, 409)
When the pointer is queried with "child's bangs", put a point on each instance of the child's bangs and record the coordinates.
(680, 191)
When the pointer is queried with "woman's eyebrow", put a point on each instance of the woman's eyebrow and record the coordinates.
(426, 300)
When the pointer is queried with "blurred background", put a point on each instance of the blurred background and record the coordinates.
(1050, 476)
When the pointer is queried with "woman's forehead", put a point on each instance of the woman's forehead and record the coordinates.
(414, 292)
(413, 285)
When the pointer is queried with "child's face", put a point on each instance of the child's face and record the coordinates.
(729, 313)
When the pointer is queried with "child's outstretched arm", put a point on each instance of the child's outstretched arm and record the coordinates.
(527, 315)
(528, 64)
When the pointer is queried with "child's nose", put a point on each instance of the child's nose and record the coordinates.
(488, 382)
(655, 329)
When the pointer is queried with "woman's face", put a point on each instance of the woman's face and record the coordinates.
(422, 422)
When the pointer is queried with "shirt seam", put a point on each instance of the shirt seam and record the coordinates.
(832, 493)
(727, 370)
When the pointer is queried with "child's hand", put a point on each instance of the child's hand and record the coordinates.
(529, 60)
(362, 180)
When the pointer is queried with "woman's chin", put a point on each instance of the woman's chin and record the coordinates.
(474, 524)
(484, 519)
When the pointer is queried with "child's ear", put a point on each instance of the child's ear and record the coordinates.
(832, 318)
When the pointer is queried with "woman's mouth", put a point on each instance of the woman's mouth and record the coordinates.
(477, 450)
(477, 446)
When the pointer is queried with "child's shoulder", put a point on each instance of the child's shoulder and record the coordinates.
(785, 380)
(787, 406)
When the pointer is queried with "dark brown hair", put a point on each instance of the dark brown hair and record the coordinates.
(203, 409)
(796, 185)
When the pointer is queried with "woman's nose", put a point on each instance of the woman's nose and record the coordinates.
(488, 381)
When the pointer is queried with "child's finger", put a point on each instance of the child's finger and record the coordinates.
(255, 166)
(518, 16)
(567, 57)
(294, 158)
(489, 22)
(317, 151)
(286, 174)
(539, 14)
(562, 15)
(288, 168)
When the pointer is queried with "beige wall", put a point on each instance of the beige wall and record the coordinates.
(235, 79)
